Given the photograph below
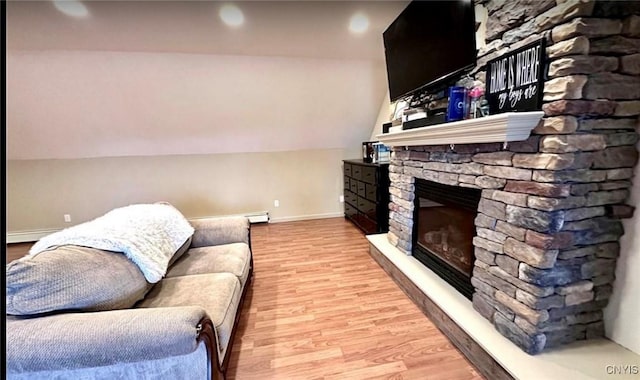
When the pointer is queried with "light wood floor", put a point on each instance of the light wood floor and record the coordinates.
(17, 250)
(320, 308)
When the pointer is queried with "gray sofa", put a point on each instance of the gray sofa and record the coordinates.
(181, 327)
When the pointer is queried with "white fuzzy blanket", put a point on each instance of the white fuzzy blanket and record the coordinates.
(148, 234)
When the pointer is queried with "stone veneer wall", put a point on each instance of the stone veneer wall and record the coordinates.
(548, 221)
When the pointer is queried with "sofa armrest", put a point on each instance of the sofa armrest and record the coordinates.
(224, 230)
(85, 340)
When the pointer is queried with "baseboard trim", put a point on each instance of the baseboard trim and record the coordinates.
(481, 359)
(307, 217)
(28, 236)
(254, 217)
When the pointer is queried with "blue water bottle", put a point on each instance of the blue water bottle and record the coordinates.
(457, 101)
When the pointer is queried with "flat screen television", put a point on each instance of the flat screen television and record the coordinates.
(429, 43)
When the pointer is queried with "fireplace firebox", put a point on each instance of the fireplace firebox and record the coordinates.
(443, 231)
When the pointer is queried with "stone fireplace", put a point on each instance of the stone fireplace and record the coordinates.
(544, 249)
(547, 220)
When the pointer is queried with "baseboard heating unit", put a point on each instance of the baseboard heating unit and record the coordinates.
(260, 217)
(254, 217)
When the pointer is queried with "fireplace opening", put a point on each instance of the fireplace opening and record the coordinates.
(443, 231)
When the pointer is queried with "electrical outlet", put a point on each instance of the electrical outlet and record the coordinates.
(342, 199)
(276, 203)
(67, 218)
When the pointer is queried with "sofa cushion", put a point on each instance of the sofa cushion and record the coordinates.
(233, 258)
(220, 230)
(71, 277)
(217, 293)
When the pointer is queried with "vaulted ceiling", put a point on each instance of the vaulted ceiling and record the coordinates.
(312, 29)
(169, 77)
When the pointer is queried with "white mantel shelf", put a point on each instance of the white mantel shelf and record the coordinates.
(504, 127)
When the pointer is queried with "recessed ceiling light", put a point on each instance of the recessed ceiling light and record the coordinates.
(71, 8)
(359, 23)
(231, 15)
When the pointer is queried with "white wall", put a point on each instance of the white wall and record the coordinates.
(139, 101)
(79, 104)
(91, 130)
(307, 183)
(384, 114)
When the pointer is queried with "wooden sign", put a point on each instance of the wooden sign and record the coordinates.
(515, 81)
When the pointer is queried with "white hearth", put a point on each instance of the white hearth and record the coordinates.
(590, 359)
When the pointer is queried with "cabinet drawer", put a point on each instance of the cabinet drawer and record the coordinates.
(351, 198)
(371, 192)
(353, 186)
(346, 183)
(347, 169)
(367, 207)
(350, 211)
(368, 174)
(356, 171)
(362, 189)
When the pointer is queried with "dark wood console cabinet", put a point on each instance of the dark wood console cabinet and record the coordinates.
(366, 195)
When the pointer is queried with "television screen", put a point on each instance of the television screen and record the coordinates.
(429, 43)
